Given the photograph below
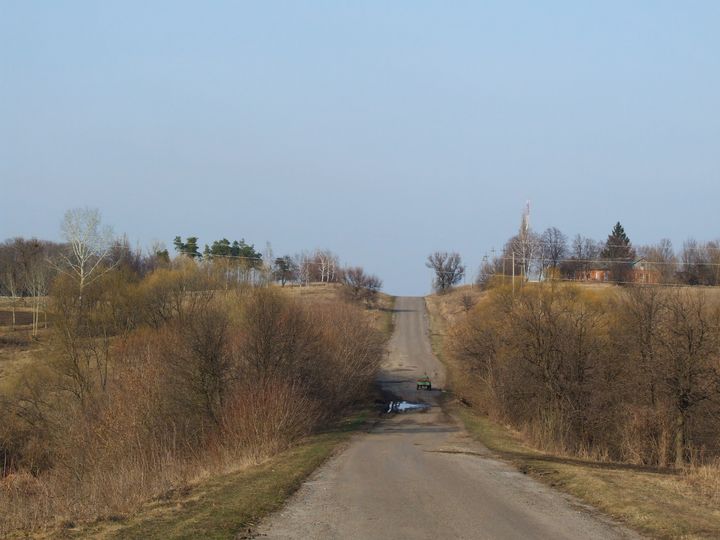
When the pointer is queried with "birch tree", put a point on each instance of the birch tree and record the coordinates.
(88, 246)
(305, 265)
(10, 274)
(36, 274)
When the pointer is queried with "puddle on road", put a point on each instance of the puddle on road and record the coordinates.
(405, 406)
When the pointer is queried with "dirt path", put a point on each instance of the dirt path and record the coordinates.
(418, 474)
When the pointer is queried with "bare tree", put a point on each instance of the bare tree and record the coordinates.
(10, 277)
(553, 249)
(285, 269)
(361, 286)
(305, 267)
(583, 253)
(448, 269)
(713, 252)
(326, 265)
(690, 342)
(89, 245)
(36, 276)
(489, 268)
(700, 262)
(661, 258)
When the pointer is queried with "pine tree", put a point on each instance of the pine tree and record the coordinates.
(189, 248)
(619, 253)
(618, 245)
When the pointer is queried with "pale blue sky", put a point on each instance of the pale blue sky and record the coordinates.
(380, 130)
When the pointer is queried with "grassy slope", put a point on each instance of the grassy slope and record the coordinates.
(227, 506)
(21, 354)
(381, 315)
(661, 504)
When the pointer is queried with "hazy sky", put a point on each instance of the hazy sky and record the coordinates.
(380, 130)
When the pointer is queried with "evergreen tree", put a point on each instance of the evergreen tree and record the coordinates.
(189, 247)
(620, 254)
(250, 257)
(235, 248)
(246, 255)
(219, 248)
(618, 245)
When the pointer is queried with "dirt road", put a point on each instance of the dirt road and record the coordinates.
(418, 475)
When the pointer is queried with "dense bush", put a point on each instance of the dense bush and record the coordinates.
(634, 377)
(154, 382)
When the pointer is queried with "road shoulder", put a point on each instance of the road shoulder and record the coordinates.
(229, 506)
(650, 501)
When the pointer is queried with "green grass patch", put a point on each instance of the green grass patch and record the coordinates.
(227, 506)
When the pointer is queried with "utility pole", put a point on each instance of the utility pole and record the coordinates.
(513, 272)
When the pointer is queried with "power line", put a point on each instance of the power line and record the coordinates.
(604, 245)
(613, 282)
(611, 261)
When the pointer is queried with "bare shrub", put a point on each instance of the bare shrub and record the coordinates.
(705, 478)
(467, 301)
(359, 286)
(262, 419)
(635, 379)
(151, 385)
(278, 338)
(672, 339)
(353, 353)
(645, 436)
(197, 362)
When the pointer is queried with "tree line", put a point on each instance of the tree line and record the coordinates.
(552, 255)
(157, 370)
(28, 267)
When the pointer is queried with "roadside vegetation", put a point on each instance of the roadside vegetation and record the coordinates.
(228, 505)
(172, 380)
(611, 393)
(551, 255)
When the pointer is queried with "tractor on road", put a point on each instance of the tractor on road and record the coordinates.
(423, 383)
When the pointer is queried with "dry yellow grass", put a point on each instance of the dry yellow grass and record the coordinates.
(15, 359)
(381, 314)
(230, 499)
(444, 311)
(662, 504)
(224, 505)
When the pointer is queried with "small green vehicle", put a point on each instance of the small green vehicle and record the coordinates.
(423, 383)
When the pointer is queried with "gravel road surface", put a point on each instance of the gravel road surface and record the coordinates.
(417, 474)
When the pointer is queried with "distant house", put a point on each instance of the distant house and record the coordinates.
(640, 272)
(599, 272)
(644, 272)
